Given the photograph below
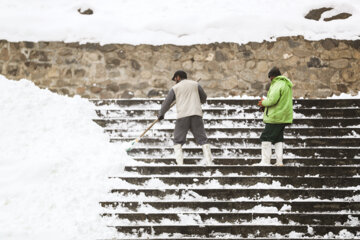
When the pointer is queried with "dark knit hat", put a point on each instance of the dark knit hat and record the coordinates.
(179, 73)
(274, 72)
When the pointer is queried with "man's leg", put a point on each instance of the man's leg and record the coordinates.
(266, 145)
(279, 145)
(198, 130)
(182, 126)
(272, 134)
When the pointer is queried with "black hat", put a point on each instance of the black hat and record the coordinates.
(179, 73)
(274, 72)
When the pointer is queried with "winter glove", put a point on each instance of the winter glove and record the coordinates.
(160, 118)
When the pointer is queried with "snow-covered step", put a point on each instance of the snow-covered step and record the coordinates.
(348, 171)
(294, 237)
(216, 194)
(243, 230)
(251, 141)
(219, 102)
(339, 219)
(277, 205)
(290, 131)
(229, 122)
(313, 152)
(236, 112)
(254, 160)
(229, 181)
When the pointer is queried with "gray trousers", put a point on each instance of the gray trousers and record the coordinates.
(193, 123)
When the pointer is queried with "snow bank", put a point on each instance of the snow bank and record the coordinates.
(53, 166)
(181, 22)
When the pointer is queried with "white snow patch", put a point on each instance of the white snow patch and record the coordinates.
(181, 22)
(54, 164)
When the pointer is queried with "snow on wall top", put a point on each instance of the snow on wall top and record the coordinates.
(181, 22)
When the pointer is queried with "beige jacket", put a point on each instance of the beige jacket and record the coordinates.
(189, 96)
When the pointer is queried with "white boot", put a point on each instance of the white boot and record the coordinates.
(207, 154)
(179, 154)
(279, 153)
(265, 153)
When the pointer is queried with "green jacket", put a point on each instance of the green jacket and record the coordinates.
(278, 104)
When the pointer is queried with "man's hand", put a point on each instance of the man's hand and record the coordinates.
(160, 118)
(260, 102)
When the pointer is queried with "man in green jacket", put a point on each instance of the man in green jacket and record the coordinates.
(278, 112)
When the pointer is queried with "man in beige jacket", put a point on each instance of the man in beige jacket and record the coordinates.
(189, 96)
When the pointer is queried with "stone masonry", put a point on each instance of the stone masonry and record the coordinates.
(317, 68)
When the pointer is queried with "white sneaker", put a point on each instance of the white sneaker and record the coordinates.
(265, 154)
(178, 154)
(207, 154)
(279, 153)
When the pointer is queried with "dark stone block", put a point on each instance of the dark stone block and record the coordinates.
(12, 70)
(108, 48)
(112, 62)
(113, 87)
(293, 44)
(338, 17)
(247, 53)
(90, 46)
(315, 14)
(86, 12)
(254, 45)
(135, 65)
(220, 57)
(329, 43)
(342, 88)
(80, 72)
(29, 44)
(355, 44)
(315, 63)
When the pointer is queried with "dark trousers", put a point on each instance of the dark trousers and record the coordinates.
(193, 123)
(273, 133)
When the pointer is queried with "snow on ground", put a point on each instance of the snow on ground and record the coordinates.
(54, 164)
(181, 22)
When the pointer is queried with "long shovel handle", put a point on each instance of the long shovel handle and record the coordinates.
(153, 123)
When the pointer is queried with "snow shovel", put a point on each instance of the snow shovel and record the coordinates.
(151, 125)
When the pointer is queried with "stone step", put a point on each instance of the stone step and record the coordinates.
(297, 182)
(227, 122)
(346, 171)
(314, 152)
(235, 112)
(244, 230)
(248, 132)
(252, 161)
(243, 142)
(234, 193)
(217, 238)
(253, 206)
(298, 103)
(203, 217)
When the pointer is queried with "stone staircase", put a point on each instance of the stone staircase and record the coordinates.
(315, 195)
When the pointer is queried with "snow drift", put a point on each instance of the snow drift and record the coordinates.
(54, 161)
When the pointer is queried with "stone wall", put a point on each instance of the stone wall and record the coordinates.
(317, 68)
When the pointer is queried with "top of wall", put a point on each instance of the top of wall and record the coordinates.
(180, 22)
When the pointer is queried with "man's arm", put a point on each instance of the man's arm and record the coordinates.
(202, 94)
(273, 97)
(165, 106)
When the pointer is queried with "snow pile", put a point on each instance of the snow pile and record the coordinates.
(53, 166)
(181, 22)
